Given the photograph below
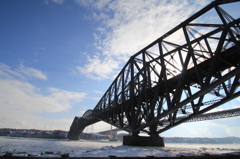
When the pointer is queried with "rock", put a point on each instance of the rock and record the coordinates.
(2, 154)
(65, 155)
(20, 155)
(51, 156)
(203, 148)
(8, 154)
(34, 154)
(58, 153)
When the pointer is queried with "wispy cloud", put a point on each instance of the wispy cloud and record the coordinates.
(23, 96)
(31, 72)
(54, 1)
(7, 73)
(97, 68)
(99, 92)
(58, 1)
(128, 26)
(19, 119)
(98, 127)
(22, 72)
(20, 98)
(63, 120)
(94, 4)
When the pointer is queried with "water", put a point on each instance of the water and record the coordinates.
(36, 145)
(198, 146)
(83, 148)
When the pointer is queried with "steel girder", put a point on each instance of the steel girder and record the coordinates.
(208, 116)
(172, 75)
(217, 115)
(79, 124)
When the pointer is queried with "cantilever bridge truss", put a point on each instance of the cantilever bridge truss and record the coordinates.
(191, 69)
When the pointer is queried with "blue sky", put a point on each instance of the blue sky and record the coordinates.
(58, 57)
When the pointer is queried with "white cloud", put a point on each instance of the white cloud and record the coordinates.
(128, 26)
(98, 127)
(22, 72)
(22, 103)
(66, 97)
(6, 72)
(81, 113)
(230, 126)
(97, 68)
(31, 72)
(46, 2)
(23, 96)
(135, 24)
(96, 4)
(54, 1)
(58, 1)
(209, 128)
(96, 98)
(99, 92)
(19, 119)
(63, 120)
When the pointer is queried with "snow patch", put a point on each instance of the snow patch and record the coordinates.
(20, 147)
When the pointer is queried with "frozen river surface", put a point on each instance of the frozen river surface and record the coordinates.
(84, 148)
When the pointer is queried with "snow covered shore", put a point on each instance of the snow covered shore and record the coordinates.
(59, 148)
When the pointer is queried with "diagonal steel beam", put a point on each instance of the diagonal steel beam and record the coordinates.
(198, 94)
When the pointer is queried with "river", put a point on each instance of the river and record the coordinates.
(83, 148)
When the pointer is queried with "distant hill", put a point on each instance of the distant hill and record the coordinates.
(203, 140)
(197, 140)
(33, 133)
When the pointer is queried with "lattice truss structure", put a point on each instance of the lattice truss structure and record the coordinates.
(210, 116)
(193, 68)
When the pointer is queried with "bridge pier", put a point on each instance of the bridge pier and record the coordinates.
(113, 136)
(143, 141)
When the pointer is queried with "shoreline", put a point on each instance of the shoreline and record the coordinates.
(55, 148)
(225, 156)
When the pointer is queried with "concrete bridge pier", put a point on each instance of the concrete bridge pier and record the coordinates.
(143, 141)
(135, 140)
(152, 140)
(113, 136)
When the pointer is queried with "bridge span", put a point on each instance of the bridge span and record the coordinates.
(207, 116)
(195, 73)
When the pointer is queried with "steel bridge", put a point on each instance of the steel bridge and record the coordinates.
(207, 116)
(193, 68)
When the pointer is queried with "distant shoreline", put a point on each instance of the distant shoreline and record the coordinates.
(175, 140)
(34, 133)
(60, 134)
(203, 140)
